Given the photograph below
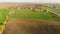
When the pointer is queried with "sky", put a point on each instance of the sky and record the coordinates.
(32, 1)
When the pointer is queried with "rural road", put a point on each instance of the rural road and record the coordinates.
(57, 13)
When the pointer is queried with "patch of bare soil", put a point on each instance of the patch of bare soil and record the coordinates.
(22, 26)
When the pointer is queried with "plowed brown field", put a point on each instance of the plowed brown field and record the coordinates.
(25, 26)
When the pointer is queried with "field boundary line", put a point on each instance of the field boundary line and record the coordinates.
(6, 20)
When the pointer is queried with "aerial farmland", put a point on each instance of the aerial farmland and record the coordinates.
(29, 18)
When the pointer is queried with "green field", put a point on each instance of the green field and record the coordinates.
(29, 14)
(3, 14)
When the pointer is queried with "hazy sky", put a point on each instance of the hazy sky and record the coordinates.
(32, 1)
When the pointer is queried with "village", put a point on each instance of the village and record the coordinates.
(37, 7)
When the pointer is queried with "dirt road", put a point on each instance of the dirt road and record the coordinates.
(19, 26)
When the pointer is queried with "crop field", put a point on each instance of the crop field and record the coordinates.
(26, 21)
(35, 15)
